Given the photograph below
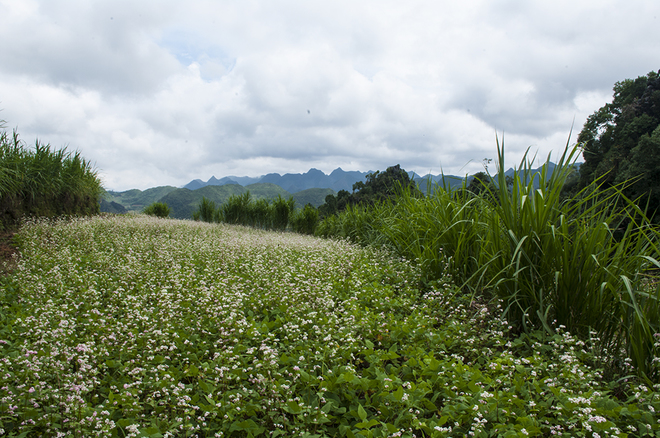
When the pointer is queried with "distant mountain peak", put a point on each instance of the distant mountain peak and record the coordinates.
(291, 182)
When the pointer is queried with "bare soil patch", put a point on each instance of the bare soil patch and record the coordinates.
(7, 251)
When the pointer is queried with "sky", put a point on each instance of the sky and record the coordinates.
(161, 92)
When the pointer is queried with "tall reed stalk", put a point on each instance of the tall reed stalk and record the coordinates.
(582, 263)
(41, 181)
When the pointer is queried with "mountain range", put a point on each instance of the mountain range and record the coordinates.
(311, 187)
(291, 182)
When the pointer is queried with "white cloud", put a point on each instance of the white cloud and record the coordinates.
(161, 92)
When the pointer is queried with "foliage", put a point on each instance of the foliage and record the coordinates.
(207, 211)
(235, 210)
(258, 213)
(176, 328)
(282, 211)
(533, 251)
(158, 209)
(621, 141)
(40, 181)
(185, 202)
(379, 187)
(305, 221)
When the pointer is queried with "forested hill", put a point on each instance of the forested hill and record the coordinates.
(183, 201)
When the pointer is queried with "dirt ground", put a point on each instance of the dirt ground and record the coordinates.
(7, 250)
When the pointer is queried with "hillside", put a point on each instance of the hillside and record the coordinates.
(308, 188)
(183, 202)
(316, 197)
(136, 200)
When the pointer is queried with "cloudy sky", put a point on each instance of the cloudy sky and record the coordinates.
(158, 92)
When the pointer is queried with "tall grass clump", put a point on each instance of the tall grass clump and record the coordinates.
(441, 231)
(41, 181)
(236, 209)
(304, 221)
(356, 223)
(282, 210)
(258, 213)
(207, 211)
(158, 209)
(583, 264)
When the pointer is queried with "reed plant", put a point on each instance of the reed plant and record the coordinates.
(583, 263)
(235, 209)
(207, 211)
(356, 223)
(304, 221)
(42, 181)
(256, 213)
(260, 214)
(282, 211)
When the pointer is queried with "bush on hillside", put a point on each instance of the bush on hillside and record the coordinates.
(158, 209)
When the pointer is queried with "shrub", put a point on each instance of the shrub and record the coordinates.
(207, 211)
(235, 209)
(304, 221)
(158, 209)
(282, 209)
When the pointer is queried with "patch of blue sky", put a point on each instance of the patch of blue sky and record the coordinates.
(189, 47)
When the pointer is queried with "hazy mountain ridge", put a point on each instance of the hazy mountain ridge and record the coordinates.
(311, 187)
(291, 182)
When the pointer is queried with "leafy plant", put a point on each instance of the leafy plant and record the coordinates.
(40, 181)
(581, 263)
(181, 328)
(282, 210)
(158, 209)
(304, 221)
(207, 211)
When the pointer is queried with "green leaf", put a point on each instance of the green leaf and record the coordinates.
(152, 432)
(345, 377)
(112, 363)
(373, 422)
(193, 371)
(292, 407)
(362, 413)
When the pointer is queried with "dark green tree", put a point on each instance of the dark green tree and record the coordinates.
(481, 182)
(378, 187)
(158, 209)
(621, 141)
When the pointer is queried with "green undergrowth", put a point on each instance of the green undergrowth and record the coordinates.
(588, 263)
(144, 327)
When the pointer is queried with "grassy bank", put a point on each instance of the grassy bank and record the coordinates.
(42, 181)
(137, 326)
